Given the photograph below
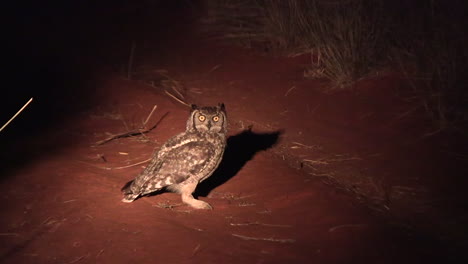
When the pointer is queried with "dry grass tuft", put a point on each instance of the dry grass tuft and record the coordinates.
(351, 40)
(431, 53)
(343, 38)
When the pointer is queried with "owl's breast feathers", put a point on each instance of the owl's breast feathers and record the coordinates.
(190, 155)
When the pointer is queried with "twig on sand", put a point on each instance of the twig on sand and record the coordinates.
(175, 98)
(257, 223)
(131, 165)
(316, 162)
(245, 204)
(195, 250)
(214, 68)
(79, 258)
(132, 133)
(170, 82)
(288, 91)
(174, 86)
(9, 234)
(287, 240)
(100, 253)
(333, 229)
(411, 110)
(324, 161)
(47, 220)
(17, 113)
(299, 145)
(149, 116)
(116, 168)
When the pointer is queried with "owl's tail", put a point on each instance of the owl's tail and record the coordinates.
(129, 196)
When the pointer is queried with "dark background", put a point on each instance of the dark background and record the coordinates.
(57, 52)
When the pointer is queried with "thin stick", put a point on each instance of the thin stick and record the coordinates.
(149, 116)
(265, 239)
(79, 258)
(115, 168)
(214, 69)
(175, 98)
(9, 234)
(195, 250)
(131, 165)
(173, 87)
(257, 223)
(17, 113)
(174, 82)
(132, 133)
(302, 145)
(316, 162)
(323, 161)
(333, 229)
(290, 89)
(408, 112)
(100, 253)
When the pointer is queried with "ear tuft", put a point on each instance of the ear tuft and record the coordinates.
(222, 107)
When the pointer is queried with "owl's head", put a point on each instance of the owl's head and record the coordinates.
(208, 119)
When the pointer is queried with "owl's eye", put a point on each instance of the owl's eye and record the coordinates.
(202, 118)
(216, 118)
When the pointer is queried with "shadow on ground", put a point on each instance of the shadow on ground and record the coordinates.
(240, 149)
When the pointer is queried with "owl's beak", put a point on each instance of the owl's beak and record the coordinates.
(209, 125)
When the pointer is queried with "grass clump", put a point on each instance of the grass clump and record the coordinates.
(430, 49)
(346, 36)
(342, 37)
(350, 40)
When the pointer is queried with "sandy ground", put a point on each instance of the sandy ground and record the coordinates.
(308, 177)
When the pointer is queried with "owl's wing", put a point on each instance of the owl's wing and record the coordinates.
(150, 172)
(175, 166)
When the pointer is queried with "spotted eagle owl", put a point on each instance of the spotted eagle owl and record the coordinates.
(186, 159)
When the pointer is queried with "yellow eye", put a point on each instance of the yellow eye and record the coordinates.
(202, 118)
(216, 118)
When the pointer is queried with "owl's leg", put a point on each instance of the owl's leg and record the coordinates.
(187, 197)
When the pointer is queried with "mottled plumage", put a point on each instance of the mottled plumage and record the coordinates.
(186, 159)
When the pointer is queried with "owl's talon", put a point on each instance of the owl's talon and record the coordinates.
(197, 204)
(206, 206)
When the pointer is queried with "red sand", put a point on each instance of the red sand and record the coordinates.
(61, 205)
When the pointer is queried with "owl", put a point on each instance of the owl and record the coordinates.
(186, 159)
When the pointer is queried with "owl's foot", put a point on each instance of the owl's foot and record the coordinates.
(187, 197)
(197, 204)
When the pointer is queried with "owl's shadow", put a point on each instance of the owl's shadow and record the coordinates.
(240, 149)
